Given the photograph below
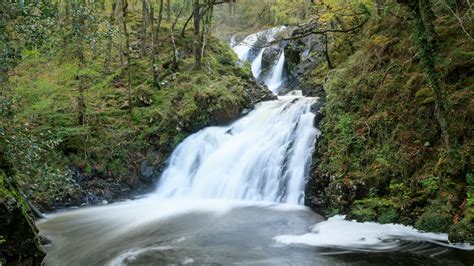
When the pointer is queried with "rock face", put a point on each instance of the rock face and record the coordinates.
(19, 241)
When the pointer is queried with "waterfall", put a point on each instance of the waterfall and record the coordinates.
(275, 81)
(264, 156)
(243, 49)
(257, 64)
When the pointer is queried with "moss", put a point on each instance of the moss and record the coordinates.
(434, 220)
(377, 209)
(379, 129)
(462, 232)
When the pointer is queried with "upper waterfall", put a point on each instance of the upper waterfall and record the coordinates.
(275, 81)
(252, 49)
(257, 64)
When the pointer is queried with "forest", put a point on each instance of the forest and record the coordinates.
(126, 118)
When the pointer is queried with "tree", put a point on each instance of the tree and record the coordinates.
(109, 34)
(426, 40)
(127, 54)
(168, 10)
(197, 37)
(154, 53)
(201, 11)
(143, 34)
(79, 15)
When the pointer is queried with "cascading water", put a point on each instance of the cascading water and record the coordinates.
(257, 64)
(243, 48)
(276, 80)
(264, 156)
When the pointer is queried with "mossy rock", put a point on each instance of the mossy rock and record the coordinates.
(434, 220)
(462, 232)
(377, 209)
(19, 242)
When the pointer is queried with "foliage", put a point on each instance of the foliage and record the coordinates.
(52, 154)
(380, 131)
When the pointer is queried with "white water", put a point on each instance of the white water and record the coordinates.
(264, 156)
(212, 207)
(243, 50)
(275, 81)
(257, 64)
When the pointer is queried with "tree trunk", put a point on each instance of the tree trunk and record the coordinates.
(168, 10)
(78, 24)
(175, 50)
(197, 37)
(206, 24)
(143, 33)
(108, 52)
(326, 52)
(154, 57)
(379, 6)
(127, 54)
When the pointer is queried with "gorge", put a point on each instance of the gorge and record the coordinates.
(235, 194)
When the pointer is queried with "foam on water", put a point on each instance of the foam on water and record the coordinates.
(340, 233)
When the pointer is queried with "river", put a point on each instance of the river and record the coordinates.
(234, 195)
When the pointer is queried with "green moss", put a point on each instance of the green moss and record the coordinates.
(434, 220)
(462, 232)
(382, 210)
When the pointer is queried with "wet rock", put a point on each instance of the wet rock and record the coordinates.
(269, 58)
(312, 90)
(257, 92)
(317, 110)
(146, 170)
(225, 115)
(315, 192)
